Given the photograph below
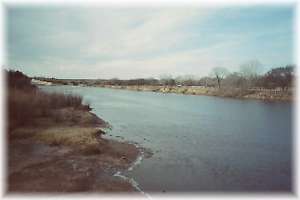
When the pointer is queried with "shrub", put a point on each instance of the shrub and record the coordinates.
(18, 80)
(26, 102)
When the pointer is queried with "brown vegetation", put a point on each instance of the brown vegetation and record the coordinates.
(55, 143)
(27, 103)
(25, 106)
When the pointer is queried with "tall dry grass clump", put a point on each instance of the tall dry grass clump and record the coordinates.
(26, 102)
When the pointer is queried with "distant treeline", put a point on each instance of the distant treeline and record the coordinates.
(247, 77)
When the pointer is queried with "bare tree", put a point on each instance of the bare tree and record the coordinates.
(235, 80)
(220, 73)
(167, 79)
(251, 68)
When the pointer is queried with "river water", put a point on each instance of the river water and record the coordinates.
(199, 143)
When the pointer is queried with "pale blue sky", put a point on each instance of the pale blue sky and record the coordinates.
(105, 42)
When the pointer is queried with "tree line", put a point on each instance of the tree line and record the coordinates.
(248, 76)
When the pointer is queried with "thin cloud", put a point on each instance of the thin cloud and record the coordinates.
(131, 42)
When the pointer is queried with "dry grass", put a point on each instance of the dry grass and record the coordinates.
(67, 136)
(50, 117)
(23, 133)
(86, 140)
(25, 106)
(26, 102)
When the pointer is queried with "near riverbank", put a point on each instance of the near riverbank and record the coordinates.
(55, 144)
(67, 157)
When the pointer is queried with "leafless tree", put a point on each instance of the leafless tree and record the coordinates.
(167, 79)
(251, 68)
(220, 73)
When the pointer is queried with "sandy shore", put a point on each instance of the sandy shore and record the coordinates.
(67, 157)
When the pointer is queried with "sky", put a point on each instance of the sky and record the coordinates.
(131, 42)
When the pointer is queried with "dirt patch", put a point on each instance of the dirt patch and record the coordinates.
(39, 167)
(67, 157)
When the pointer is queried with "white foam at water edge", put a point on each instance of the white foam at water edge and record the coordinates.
(138, 159)
(132, 182)
(135, 163)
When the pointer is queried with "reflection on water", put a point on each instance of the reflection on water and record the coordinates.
(199, 143)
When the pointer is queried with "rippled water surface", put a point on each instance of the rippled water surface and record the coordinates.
(199, 143)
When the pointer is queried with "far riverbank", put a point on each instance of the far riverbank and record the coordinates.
(229, 92)
(260, 94)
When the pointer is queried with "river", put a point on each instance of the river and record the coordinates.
(199, 143)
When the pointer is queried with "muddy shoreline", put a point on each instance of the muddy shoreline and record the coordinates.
(49, 157)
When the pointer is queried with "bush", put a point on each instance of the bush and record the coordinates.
(26, 102)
